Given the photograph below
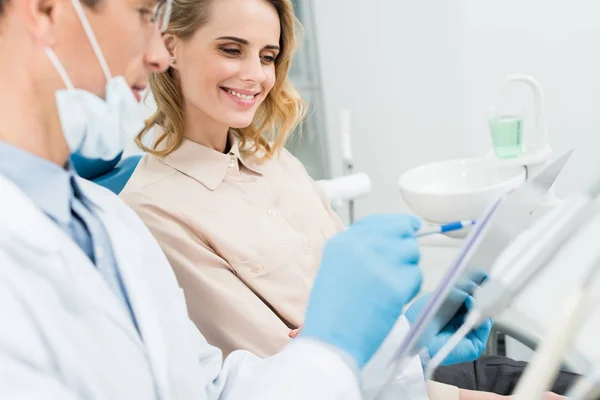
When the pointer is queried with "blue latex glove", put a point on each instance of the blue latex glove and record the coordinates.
(470, 348)
(368, 274)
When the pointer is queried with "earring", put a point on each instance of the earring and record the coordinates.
(172, 61)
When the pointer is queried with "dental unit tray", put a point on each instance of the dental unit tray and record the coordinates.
(503, 221)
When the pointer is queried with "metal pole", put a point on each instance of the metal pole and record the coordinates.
(348, 169)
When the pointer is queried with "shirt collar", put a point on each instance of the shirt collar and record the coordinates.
(51, 187)
(208, 166)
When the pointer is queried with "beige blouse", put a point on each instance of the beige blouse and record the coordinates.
(244, 239)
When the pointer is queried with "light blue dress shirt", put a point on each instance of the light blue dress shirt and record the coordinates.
(55, 191)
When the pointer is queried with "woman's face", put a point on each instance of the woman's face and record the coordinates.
(227, 68)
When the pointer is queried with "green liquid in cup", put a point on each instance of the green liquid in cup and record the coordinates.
(507, 134)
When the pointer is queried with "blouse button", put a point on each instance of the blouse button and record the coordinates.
(258, 268)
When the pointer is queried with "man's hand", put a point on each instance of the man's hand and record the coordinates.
(368, 274)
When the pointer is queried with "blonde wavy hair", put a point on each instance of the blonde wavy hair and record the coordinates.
(276, 118)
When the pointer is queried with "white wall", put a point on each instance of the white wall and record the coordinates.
(395, 65)
(419, 75)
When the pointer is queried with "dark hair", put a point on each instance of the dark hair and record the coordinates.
(89, 3)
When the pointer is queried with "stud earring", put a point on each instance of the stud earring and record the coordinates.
(172, 61)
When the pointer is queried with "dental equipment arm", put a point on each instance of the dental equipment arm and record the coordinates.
(585, 387)
(547, 359)
(540, 246)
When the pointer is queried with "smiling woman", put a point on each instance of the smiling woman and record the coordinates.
(238, 216)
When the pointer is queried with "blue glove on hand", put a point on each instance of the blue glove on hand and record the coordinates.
(470, 348)
(368, 274)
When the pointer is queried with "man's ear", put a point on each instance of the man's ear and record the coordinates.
(40, 18)
(171, 45)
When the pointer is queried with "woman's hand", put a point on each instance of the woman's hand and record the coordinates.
(293, 333)
(475, 395)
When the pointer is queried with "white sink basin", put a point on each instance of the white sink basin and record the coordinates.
(459, 189)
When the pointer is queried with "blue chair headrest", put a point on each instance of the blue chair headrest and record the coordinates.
(117, 178)
(90, 168)
(112, 174)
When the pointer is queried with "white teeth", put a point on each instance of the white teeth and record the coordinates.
(240, 95)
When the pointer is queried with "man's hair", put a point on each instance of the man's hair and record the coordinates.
(89, 3)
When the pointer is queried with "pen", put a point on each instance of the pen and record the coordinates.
(449, 227)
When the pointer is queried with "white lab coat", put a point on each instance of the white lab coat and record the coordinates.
(64, 335)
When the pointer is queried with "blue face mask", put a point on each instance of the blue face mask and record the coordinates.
(94, 127)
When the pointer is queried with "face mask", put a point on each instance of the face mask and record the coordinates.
(93, 127)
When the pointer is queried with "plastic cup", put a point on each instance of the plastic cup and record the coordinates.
(506, 129)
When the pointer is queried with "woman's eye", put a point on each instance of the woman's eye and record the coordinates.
(233, 52)
(268, 59)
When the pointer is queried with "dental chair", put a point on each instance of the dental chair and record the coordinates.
(345, 190)
(112, 174)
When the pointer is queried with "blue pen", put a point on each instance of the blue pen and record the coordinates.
(452, 226)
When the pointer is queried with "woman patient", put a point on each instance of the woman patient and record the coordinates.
(238, 216)
(240, 220)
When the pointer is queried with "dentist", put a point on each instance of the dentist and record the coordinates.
(90, 308)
